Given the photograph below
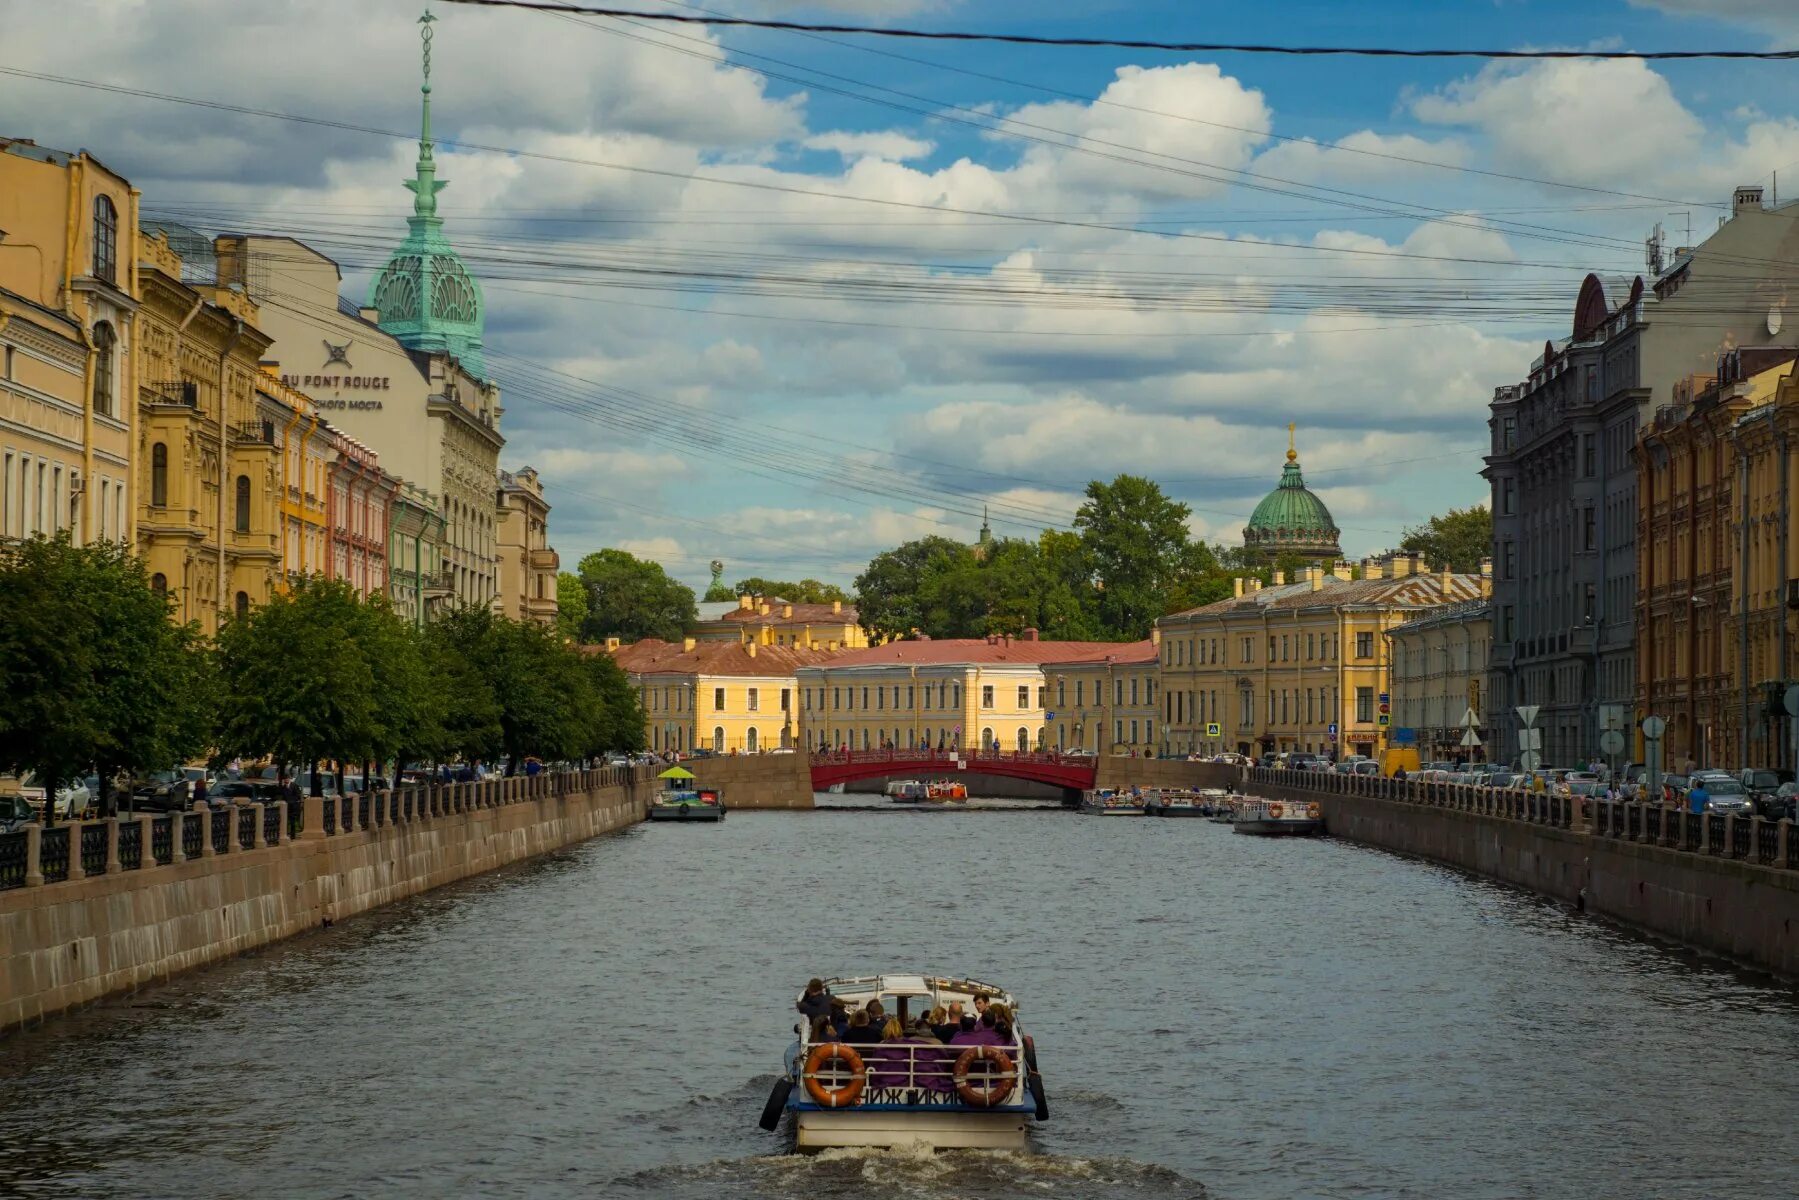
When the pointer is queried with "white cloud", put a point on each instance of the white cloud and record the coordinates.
(1363, 157)
(889, 144)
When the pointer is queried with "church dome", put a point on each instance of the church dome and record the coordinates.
(1291, 520)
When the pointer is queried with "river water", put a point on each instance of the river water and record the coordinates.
(1216, 1015)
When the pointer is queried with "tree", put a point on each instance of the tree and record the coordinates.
(1139, 548)
(571, 604)
(892, 589)
(630, 599)
(542, 690)
(1457, 539)
(806, 591)
(95, 673)
(619, 726)
(716, 591)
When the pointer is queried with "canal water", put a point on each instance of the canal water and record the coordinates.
(1217, 1016)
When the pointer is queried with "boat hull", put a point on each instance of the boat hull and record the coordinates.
(686, 812)
(946, 1130)
(1270, 827)
(1175, 810)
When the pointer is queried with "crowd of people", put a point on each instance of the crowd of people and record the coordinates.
(983, 1022)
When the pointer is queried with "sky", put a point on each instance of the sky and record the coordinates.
(787, 299)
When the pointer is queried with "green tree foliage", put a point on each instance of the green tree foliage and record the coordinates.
(890, 589)
(1457, 539)
(1142, 555)
(571, 604)
(95, 674)
(806, 591)
(630, 599)
(620, 725)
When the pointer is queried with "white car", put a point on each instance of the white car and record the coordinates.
(71, 797)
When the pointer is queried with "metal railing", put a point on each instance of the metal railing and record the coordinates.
(271, 824)
(162, 839)
(53, 854)
(13, 848)
(914, 1074)
(1753, 839)
(94, 845)
(221, 831)
(131, 845)
(193, 834)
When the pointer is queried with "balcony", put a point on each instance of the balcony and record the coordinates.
(181, 393)
(545, 559)
(253, 433)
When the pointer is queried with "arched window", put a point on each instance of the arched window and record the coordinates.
(243, 604)
(718, 740)
(159, 583)
(243, 504)
(106, 240)
(865, 739)
(159, 476)
(105, 345)
(749, 742)
(987, 742)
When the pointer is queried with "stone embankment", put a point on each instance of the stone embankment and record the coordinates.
(1723, 884)
(1117, 772)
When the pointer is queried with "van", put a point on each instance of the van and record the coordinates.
(1394, 758)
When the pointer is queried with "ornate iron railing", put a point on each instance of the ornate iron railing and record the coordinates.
(12, 858)
(246, 828)
(53, 854)
(271, 824)
(131, 844)
(330, 807)
(193, 834)
(93, 848)
(221, 830)
(162, 838)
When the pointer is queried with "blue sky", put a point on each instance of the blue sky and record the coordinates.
(842, 334)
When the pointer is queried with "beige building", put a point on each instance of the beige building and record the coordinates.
(726, 697)
(1108, 706)
(1295, 666)
(1439, 660)
(527, 563)
(68, 366)
(417, 583)
(772, 621)
(964, 692)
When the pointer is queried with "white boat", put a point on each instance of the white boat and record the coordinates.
(946, 1097)
(906, 791)
(1107, 803)
(1277, 818)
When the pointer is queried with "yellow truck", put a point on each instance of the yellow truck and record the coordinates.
(1395, 757)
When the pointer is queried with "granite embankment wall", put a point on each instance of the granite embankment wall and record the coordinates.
(756, 780)
(1724, 885)
(103, 907)
(1164, 772)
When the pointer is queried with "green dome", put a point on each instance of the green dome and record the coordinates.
(1291, 520)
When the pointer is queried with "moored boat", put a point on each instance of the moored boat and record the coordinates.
(1176, 802)
(918, 1091)
(1107, 803)
(905, 791)
(684, 804)
(1278, 818)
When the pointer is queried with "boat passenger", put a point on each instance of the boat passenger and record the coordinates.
(891, 1062)
(816, 1002)
(860, 1032)
(877, 1016)
(985, 1033)
(823, 1031)
(945, 1024)
(840, 1016)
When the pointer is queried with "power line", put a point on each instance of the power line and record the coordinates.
(1029, 39)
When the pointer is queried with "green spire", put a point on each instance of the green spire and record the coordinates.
(425, 295)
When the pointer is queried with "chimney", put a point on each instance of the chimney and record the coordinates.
(1401, 564)
(1279, 577)
(751, 647)
(611, 644)
(746, 602)
(1237, 587)
(1748, 196)
(765, 608)
(1371, 569)
(1029, 635)
(836, 606)
(688, 643)
(1155, 635)
(832, 645)
(1448, 578)
(787, 610)
(1316, 574)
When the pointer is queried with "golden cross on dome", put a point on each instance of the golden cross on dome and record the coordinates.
(1292, 454)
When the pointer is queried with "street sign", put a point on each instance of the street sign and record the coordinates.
(1530, 739)
(1384, 720)
(1654, 727)
(1470, 720)
(1405, 735)
(1611, 716)
(1527, 713)
(1611, 742)
(1530, 760)
(1332, 728)
(1213, 730)
(1470, 738)
(1384, 697)
(1049, 716)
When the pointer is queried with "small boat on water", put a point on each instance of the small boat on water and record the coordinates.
(915, 1092)
(685, 804)
(1278, 818)
(1108, 803)
(906, 791)
(1178, 802)
(946, 791)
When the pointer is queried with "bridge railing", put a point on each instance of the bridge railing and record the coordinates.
(1753, 839)
(923, 755)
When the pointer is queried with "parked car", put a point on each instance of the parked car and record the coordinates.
(1300, 760)
(1728, 798)
(16, 812)
(72, 795)
(1364, 766)
(1781, 804)
(246, 791)
(1762, 781)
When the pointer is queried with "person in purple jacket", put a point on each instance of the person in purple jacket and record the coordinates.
(983, 1034)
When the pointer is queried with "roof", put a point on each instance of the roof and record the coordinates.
(1291, 515)
(1458, 613)
(652, 656)
(809, 613)
(982, 651)
(1409, 591)
(1122, 653)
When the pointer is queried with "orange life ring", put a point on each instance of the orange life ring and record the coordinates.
(849, 1092)
(1275, 809)
(1313, 811)
(984, 1097)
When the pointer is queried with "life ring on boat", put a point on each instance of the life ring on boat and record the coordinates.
(850, 1062)
(1312, 811)
(1275, 809)
(996, 1092)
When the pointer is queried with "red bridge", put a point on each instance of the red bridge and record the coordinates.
(1059, 770)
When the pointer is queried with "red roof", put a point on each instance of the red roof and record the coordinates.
(653, 656)
(948, 651)
(1122, 653)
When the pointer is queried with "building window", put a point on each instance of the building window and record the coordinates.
(159, 476)
(106, 240)
(1024, 697)
(749, 741)
(1508, 432)
(987, 697)
(786, 699)
(1080, 687)
(956, 695)
(1117, 731)
(1508, 559)
(243, 504)
(836, 697)
(718, 699)
(881, 697)
(718, 739)
(243, 604)
(1061, 692)
(911, 697)
(1118, 691)
(864, 699)
(987, 742)
(1508, 492)
(1589, 452)
(754, 699)
(1024, 739)
(159, 583)
(1364, 645)
(105, 352)
(1590, 529)
(1364, 705)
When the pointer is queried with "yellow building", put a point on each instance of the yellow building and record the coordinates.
(1439, 660)
(945, 694)
(776, 622)
(726, 697)
(303, 444)
(1107, 706)
(1294, 666)
(522, 536)
(68, 298)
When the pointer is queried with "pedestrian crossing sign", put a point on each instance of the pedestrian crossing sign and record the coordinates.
(1385, 720)
(1213, 729)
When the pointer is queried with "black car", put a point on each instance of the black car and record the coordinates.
(1779, 804)
(162, 791)
(245, 791)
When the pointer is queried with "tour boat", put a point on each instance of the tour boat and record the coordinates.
(906, 791)
(1278, 818)
(677, 804)
(1177, 802)
(945, 1097)
(942, 790)
(1108, 803)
